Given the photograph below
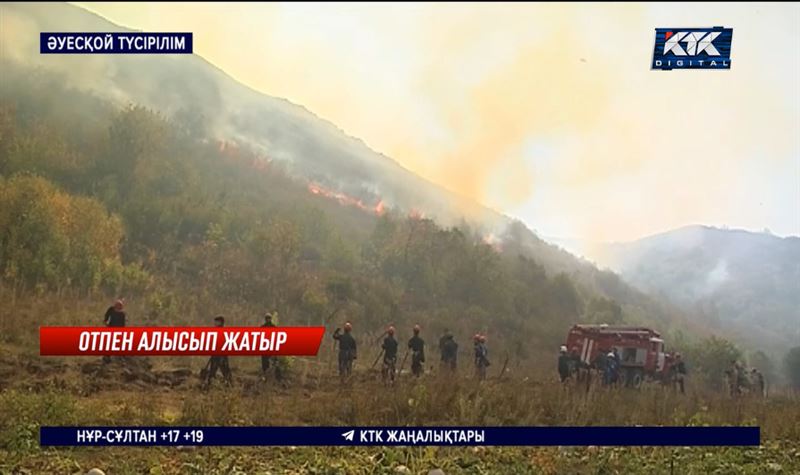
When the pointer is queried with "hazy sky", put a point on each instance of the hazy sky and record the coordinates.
(546, 112)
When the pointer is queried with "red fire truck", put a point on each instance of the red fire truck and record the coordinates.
(641, 350)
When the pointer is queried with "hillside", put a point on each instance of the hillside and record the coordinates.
(749, 282)
(220, 184)
(212, 104)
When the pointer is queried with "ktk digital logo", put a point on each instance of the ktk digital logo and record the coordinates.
(693, 48)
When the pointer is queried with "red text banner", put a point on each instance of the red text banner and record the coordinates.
(177, 341)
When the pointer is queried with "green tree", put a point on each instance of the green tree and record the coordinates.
(55, 239)
(709, 358)
(603, 310)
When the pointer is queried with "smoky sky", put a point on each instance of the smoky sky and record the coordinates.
(546, 112)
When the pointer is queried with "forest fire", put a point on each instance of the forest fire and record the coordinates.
(495, 242)
(233, 152)
(347, 200)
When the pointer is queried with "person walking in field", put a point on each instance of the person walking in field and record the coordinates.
(417, 347)
(267, 360)
(481, 356)
(217, 362)
(563, 364)
(449, 349)
(389, 355)
(758, 381)
(610, 373)
(737, 379)
(347, 350)
(114, 318)
(442, 342)
(678, 370)
(115, 315)
(575, 364)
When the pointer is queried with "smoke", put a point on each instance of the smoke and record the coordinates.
(718, 276)
(465, 95)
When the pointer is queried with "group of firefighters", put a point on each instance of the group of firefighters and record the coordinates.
(115, 317)
(741, 381)
(220, 362)
(570, 365)
(738, 379)
(609, 366)
(448, 349)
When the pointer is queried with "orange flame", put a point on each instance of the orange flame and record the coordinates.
(380, 208)
(346, 200)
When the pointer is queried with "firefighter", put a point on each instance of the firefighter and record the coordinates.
(611, 371)
(114, 317)
(269, 322)
(563, 364)
(575, 364)
(758, 380)
(217, 362)
(449, 349)
(736, 378)
(742, 378)
(617, 359)
(481, 356)
(442, 343)
(417, 347)
(678, 370)
(347, 349)
(601, 361)
(730, 377)
(389, 355)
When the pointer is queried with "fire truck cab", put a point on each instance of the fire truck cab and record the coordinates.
(640, 350)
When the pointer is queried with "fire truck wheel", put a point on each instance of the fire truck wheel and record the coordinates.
(636, 378)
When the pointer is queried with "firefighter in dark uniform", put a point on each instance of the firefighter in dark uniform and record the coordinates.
(389, 355)
(347, 349)
(114, 317)
(218, 362)
(417, 347)
(758, 380)
(266, 360)
(575, 364)
(449, 349)
(678, 369)
(481, 356)
(563, 364)
(442, 342)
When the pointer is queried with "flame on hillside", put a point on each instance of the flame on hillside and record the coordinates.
(495, 242)
(346, 200)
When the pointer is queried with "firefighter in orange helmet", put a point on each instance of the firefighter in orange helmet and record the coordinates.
(347, 349)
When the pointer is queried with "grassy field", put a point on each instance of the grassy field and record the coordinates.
(37, 391)
(40, 391)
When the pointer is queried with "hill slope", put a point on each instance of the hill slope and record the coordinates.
(190, 89)
(198, 196)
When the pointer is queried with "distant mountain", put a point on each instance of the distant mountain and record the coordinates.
(748, 282)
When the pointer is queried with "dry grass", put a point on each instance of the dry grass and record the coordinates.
(38, 391)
